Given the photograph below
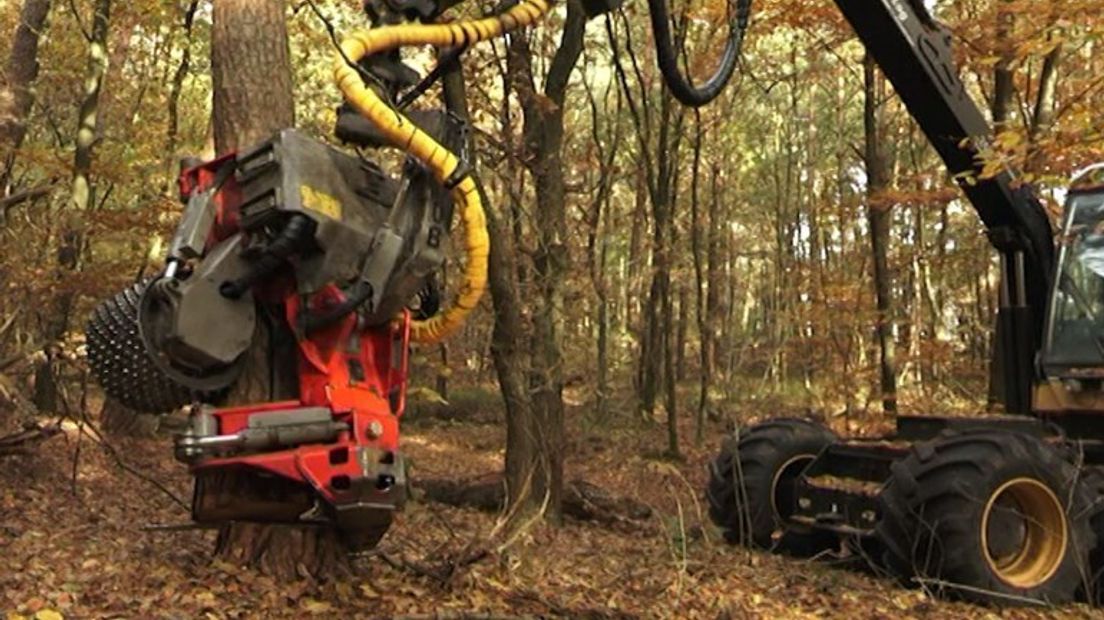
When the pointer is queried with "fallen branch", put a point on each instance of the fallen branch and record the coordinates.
(90, 430)
(32, 433)
(441, 570)
(581, 500)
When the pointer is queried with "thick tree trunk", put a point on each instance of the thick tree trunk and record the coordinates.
(251, 74)
(118, 421)
(879, 217)
(282, 551)
(16, 94)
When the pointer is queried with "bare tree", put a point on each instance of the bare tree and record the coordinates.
(879, 218)
(69, 220)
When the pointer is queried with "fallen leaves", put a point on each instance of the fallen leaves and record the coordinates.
(85, 556)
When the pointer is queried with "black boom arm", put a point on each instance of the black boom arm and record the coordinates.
(914, 52)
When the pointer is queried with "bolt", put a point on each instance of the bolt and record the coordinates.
(374, 430)
(805, 503)
(868, 515)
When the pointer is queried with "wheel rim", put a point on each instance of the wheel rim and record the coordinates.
(1024, 533)
(782, 494)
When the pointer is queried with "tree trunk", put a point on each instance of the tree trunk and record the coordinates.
(250, 72)
(1003, 80)
(251, 76)
(16, 94)
(509, 337)
(682, 329)
(715, 306)
(118, 421)
(1042, 117)
(70, 233)
(879, 217)
(600, 226)
(172, 133)
(704, 332)
(534, 479)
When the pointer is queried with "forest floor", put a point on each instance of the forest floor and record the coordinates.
(76, 543)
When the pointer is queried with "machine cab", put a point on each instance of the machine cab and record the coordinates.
(1074, 339)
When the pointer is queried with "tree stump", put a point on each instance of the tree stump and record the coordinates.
(282, 551)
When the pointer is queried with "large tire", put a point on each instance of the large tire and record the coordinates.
(750, 485)
(988, 516)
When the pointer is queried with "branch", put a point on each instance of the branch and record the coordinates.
(34, 193)
(32, 433)
(80, 22)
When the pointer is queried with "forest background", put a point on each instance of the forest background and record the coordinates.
(659, 272)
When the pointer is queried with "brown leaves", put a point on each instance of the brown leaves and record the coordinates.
(83, 556)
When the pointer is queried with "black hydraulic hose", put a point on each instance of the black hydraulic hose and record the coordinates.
(361, 293)
(294, 238)
(667, 56)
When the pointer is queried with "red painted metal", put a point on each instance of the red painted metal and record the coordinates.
(227, 200)
(359, 374)
(371, 403)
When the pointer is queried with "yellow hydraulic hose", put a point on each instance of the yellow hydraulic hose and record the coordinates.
(444, 165)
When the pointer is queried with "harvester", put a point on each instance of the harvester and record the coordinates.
(997, 508)
(328, 259)
(308, 270)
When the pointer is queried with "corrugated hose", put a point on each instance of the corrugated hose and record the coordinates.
(445, 166)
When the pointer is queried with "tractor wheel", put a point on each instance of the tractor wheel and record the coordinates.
(989, 517)
(750, 490)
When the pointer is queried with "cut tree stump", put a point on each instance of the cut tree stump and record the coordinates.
(281, 551)
(284, 551)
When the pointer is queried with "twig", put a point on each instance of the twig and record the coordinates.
(88, 427)
(76, 460)
(33, 193)
(33, 433)
(942, 584)
(403, 564)
(4, 329)
(80, 22)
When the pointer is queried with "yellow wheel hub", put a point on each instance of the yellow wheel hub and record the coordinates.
(787, 472)
(1024, 533)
